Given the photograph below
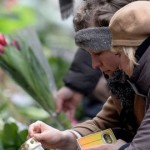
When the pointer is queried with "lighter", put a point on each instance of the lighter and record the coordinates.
(31, 144)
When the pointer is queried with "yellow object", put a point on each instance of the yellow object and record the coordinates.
(103, 137)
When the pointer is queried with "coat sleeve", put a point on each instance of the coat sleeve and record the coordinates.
(108, 117)
(142, 137)
(81, 76)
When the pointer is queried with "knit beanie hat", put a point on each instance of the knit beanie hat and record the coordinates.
(130, 25)
(94, 39)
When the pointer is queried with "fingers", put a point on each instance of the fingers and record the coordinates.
(59, 103)
(38, 137)
(63, 95)
(34, 128)
(60, 100)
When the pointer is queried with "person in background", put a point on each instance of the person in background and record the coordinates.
(81, 81)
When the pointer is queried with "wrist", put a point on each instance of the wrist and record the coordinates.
(69, 139)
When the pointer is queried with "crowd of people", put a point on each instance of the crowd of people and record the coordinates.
(115, 34)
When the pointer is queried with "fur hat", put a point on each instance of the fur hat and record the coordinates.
(94, 39)
(130, 25)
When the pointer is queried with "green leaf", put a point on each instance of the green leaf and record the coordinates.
(22, 137)
(9, 135)
(31, 112)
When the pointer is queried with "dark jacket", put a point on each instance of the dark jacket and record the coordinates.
(81, 76)
(141, 79)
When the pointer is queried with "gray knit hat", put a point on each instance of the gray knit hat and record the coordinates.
(94, 39)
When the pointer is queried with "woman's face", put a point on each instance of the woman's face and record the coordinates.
(107, 61)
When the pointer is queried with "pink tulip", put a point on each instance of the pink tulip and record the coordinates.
(2, 40)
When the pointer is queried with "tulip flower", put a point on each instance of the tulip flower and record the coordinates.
(2, 40)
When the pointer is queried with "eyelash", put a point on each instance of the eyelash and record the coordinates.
(117, 54)
(97, 54)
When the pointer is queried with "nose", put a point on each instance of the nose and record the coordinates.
(95, 64)
(98, 65)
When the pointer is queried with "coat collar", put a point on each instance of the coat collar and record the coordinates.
(142, 48)
(141, 72)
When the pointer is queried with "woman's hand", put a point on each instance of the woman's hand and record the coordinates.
(108, 146)
(51, 137)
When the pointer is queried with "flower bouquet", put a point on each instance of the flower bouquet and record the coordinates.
(22, 58)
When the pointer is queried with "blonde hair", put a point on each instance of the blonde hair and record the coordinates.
(129, 52)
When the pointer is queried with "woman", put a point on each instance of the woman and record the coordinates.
(133, 35)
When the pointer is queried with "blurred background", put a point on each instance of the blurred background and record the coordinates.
(17, 108)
